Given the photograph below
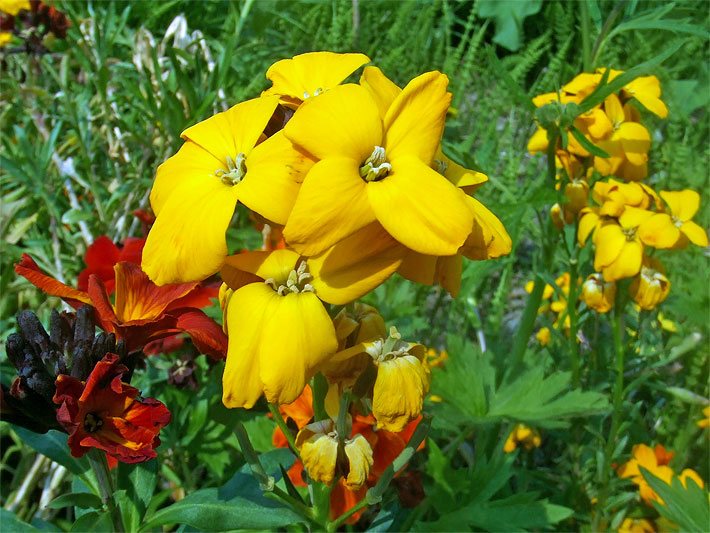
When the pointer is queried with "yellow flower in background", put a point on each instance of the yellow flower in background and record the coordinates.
(675, 229)
(524, 436)
(637, 525)
(436, 358)
(650, 287)
(307, 75)
(5, 38)
(373, 170)
(225, 159)
(279, 331)
(319, 449)
(655, 461)
(618, 245)
(13, 7)
(704, 422)
(543, 336)
(598, 294)
(402, 381)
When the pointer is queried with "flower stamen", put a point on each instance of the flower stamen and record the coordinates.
(295, 281)
(92, 423)
(236, 170)
(375, 167)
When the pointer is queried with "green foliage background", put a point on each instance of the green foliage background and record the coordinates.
(84, 128)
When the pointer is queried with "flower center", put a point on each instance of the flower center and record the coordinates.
(676, 222)
(306, 94)
(376, 167)
(387, 349)
(440, 166)
(236, 170)
(629, 233)
(92, 423)
(295, 283)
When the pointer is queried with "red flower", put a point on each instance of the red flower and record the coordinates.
(142, 312)
(107, 414)
(101, 257)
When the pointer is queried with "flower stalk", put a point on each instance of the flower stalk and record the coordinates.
(99, 465)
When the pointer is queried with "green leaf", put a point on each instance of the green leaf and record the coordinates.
(84, 500)
(137, 483)
(686, 506)
(509, 16)
(239, 504)
(93, 521)
(10, 522)
(587, 144)
(53, 444)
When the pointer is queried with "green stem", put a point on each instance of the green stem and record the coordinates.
(97, 460)
(617, 406)
(586, 37)
(284, 428)
(606, 28)
(573, 322)
(266, 482)
(320, 389)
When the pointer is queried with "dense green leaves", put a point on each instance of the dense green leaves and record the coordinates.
(687, 506)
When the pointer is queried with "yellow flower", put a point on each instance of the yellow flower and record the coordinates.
(402, 381)
(689, 473)
(627, 145)
(13, 7)
(619, 248)
(436, 358)
(307, 75)
(225, 159)
(646, 89)
(319, 445)
(636, 525)
(5, 38)
(674, 230)
(543, 336)
(650, 287)
(655, 461)
(279, 331)
(705, 421)
(373, 170)
(522, 435)
(598, 294)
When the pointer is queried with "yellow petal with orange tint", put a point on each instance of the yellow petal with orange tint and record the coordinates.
(356, 265)
(275, 171)
(420, 208)
(415, 120)
(331, 205)
(187, 241)
(344, 122)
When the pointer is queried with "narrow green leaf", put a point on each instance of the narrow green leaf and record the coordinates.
(587, 144)
(84, 500)
(53, 444)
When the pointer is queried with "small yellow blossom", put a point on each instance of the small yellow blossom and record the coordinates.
(5, 38)
(13, 7)
(637, 525)
(650, 287)
(675, 229)
(705, 421)
(543, 336)
(598, 294)
(522, 435)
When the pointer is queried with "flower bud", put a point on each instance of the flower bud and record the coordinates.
(598, 294)
(649, 288)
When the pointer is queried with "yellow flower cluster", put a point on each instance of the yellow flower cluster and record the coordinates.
(523, 436)
(656, 461)
(555, 301)
(354, 177)
(624, 217)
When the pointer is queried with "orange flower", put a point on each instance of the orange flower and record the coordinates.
(142, 312)
(106, 413)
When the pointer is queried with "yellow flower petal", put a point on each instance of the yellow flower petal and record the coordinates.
(683, 204)
(420, 208)
(614, 109)
(488, 238)
(187, 241)
(245, 314)
(538, 142)
(359, 454)
(635, 140)
(275, 171)
(627, 264)
(305, 75)
(276, 265)
(355, 265)
(659, 231)
(319, 451)
(415, 120)
(344, 122)
(695, 233)
(234, 131)
(399, 392)
(609, 240)
(647, 90)
(418, 268)
(331, 205)
(382, 89)
(297, 335)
